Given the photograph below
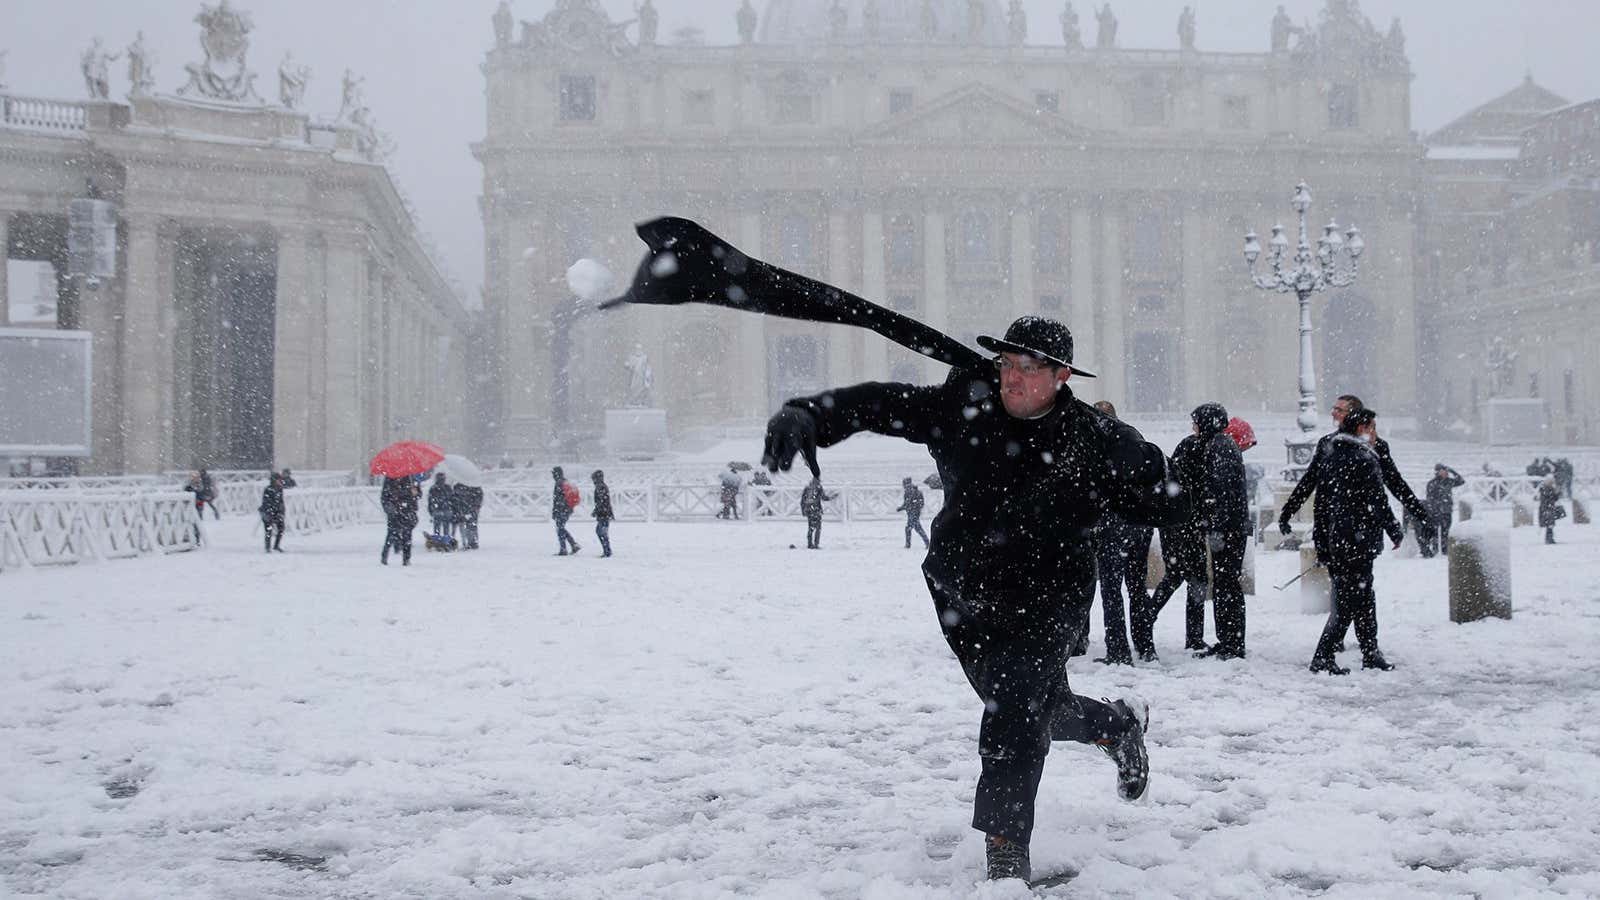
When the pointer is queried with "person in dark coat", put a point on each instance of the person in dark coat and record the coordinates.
(440, 510)
(464, 503)
(272, 513)
(729, 493)
(1550, 511)
(1183, 555)
(287, 478)
(1392, 478)
(561, 511)
(911, 505)
(1222, 516)
(603, 513)
(1441, 504)
(1563, 472)
(1350, 518)
(399, 501)
(1122, 551)
(1027, 471)
(811, 500)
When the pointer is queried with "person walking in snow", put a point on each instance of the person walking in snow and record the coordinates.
(811, 500)
(1027, 470)
(1550, 510)
(1350, 517)
(1441, 504)
(272, 513)
(911, 505)
(399, 501)
(1122, 551)
(1392, 479)
(1183, 556)
(603, 513)
(729, 494)
(564, 500)
(1223, 518)
(440, 509)
(464, 503)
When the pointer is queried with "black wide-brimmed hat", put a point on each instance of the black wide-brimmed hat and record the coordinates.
(1039, 337)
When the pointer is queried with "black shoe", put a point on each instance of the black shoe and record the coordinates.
(1377, 662)
(1148, 655)
(1006, 859)
(1127, 749)
(384, 560)
(1110, 660)
(1217, 651)
(1329, 665)
(1191, 645)
(562, 553)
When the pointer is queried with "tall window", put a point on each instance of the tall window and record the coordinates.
(1148, 103)
(1050, 303)
(1569, 393)
(795, 245)
(1050, 244)
(699, 107)
(1047, 101)
(1236, 112)
(1344, 106)
(793, 108)
(977, 244)
(577, 98)
(899, 102)
(1147, 250)
(902, 257)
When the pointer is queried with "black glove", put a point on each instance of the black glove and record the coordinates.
(792, 430)
(1285, 528)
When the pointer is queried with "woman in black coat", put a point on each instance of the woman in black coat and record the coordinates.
(1550, 510)
(1183, 555)
(603, 513)
(1350, 519)
(399, 501)
(272, 513)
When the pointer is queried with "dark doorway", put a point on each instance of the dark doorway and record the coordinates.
(226, 294)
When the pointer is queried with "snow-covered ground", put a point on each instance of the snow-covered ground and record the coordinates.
(711, 713)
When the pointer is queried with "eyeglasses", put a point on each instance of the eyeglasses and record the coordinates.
(1026, 368)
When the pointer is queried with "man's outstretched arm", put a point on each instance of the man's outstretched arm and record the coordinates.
(822, 420)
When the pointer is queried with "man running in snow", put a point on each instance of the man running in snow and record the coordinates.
(1027, 471)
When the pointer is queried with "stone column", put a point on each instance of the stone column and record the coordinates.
(291, 351)
(1112, 353)
(840, 274)
(1081, 299)
(935, 270)
(1197, 345)
(873, 287)
(1395, 288)
(1022, 299)
(752, 333)
(146, 363)
(5, 256)
(342, 386)
(100, 313)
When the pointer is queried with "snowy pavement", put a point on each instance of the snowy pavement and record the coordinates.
(711, 713)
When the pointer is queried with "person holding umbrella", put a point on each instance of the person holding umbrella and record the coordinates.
(398, 463)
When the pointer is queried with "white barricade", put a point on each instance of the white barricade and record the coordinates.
(60, 527)
(310, 510)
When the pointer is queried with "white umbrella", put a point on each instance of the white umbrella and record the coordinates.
(461, 470)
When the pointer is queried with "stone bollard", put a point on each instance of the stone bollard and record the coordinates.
(1316, 590)
(1480, 572)
(1155, 566)
(1580, 511)
(1247, 578)
(1464, 510)
(1521, 514)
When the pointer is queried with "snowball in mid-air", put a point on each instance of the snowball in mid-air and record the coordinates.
(589, 279)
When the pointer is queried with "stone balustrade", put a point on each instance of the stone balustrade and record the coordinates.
(41, 114)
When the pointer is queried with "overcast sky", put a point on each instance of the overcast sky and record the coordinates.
(420, 60)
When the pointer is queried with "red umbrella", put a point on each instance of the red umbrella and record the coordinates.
(405, 458)
(1241, 432)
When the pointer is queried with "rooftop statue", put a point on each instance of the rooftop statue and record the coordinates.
(1282, 29)
(930, 21)
(225, 38)
(1186, 28)
(1070, 35)
(140, 63)
(649, 21)
(292, 82)
(872, 18)
(977, 17)
(96, 64)
(502, 24)
(838, 19)
(1017, 24)
(1106, 37)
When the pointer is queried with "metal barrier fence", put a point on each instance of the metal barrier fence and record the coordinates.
(59, 527)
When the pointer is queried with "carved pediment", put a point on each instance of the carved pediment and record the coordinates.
(974, 114)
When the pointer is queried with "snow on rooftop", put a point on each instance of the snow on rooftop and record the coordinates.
(1474, 153)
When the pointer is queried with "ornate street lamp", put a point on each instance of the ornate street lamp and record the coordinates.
(1307, 274)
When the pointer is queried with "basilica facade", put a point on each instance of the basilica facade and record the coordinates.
(955, 162)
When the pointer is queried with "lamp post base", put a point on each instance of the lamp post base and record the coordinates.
(1300, 448)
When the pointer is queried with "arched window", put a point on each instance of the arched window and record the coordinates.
(977, 241)
(902, 246)
(1049, 244)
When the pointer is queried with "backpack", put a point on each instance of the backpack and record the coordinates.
(569, 492)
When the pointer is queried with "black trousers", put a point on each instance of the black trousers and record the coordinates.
(1227, 591)
(914, 523)
(564, 537)
(1122, 559)
(1353, 603)
(272, 530)
(602, 530)
(1014, 653)
(1194, 617)
(398, 538)
(813, 532)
